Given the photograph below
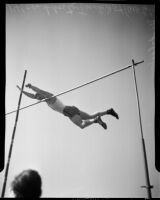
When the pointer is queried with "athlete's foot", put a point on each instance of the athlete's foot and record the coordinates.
(113, 113)
(99, 121)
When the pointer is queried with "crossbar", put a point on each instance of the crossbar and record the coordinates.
(80, 86)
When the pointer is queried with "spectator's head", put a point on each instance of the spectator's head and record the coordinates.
(27, 184)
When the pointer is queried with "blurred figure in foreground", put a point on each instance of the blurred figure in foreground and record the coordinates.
(77, 116)
(27, 184)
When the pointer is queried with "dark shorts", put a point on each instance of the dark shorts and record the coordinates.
(71, 111)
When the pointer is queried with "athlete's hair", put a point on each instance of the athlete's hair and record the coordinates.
(39, 96)
(27, 184)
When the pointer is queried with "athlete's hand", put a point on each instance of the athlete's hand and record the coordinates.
(18, 87)
(28, 85)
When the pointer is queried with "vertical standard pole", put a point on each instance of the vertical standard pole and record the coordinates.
(148, 186)
(12, 140)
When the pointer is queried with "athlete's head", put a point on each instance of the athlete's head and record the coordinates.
(27, 184)
(39, 96)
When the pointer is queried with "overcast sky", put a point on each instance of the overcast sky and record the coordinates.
(65, 45)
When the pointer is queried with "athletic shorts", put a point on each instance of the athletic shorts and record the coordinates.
(71, 111)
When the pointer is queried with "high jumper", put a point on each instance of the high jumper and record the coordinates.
(77, 116)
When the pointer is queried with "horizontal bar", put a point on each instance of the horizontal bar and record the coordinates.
(75, 88)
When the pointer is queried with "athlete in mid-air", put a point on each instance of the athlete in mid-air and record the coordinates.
(77, 116)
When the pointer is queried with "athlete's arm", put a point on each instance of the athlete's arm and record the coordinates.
(27, 93)
(42, 92)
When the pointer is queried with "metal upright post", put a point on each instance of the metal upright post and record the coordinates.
(12, 140)
(148, 186)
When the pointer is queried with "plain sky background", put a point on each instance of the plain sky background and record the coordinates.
(65, 45)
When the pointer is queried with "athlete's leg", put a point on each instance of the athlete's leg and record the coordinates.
(111, 111)
(85, 115)
(99, 114)
(85, 123)
(82, 123)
